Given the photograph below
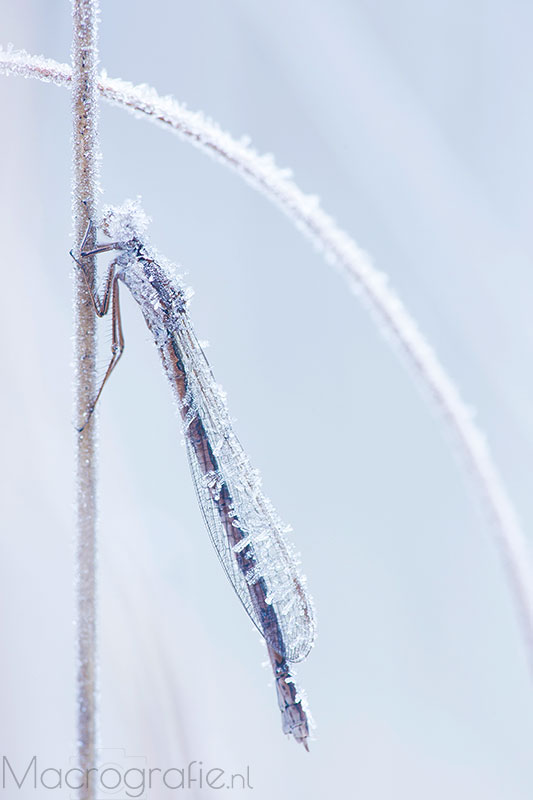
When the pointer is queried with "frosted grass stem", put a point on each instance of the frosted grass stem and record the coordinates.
(363, 280)
(84, 188)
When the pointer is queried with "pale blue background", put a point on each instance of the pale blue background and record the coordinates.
(412, 120)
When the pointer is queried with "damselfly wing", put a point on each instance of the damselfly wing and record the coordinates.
(247, 533)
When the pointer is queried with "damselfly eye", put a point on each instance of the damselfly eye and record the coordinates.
(106, 223)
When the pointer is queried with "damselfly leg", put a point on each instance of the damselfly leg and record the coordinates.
(101, 308)
(99, 248)
(101, 303)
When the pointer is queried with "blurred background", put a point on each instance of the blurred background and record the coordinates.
(412, 121)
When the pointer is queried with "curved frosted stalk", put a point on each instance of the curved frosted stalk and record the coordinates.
(363, 279)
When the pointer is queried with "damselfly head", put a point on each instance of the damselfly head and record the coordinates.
(125, 222)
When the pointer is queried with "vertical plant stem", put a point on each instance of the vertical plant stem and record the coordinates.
(84, 189)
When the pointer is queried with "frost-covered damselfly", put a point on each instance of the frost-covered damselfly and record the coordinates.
(246, 532)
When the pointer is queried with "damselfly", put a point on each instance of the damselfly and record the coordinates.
(246, 532)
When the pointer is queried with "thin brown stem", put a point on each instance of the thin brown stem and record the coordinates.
(84, 188)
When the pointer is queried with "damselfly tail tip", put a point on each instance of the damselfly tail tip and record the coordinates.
(301, 735)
